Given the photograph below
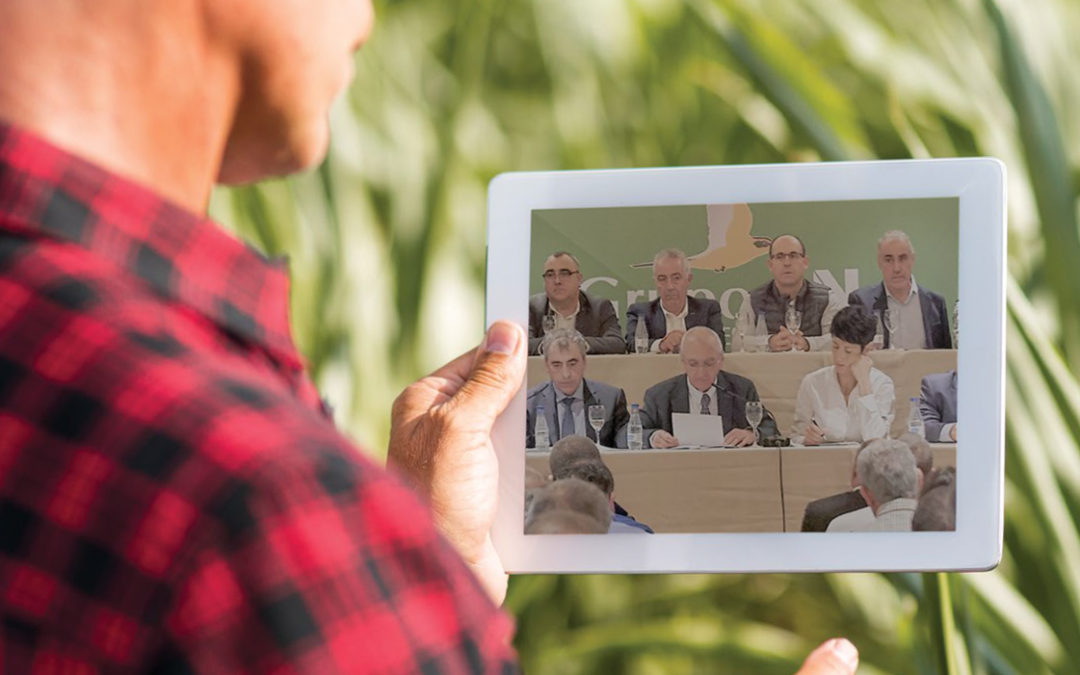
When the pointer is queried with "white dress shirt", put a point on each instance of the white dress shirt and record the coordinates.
(894, 516)
(858, 520)
(673, 322)
(695, 398)
(858, 419)
(909, 331)
(568, 322)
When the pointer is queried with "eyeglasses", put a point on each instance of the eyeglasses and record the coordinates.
(563, 274)
(794, 255)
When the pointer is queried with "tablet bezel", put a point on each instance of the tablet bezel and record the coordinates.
(979, 185)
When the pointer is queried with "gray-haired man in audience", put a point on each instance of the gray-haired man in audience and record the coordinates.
(568, 506)
(859, 519)
(890, 484)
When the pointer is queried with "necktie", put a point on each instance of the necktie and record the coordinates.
(705, 404)
(567, 427)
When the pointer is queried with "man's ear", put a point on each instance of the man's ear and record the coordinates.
(868, 498)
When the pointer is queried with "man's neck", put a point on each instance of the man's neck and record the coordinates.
(900, 293)
(790, 291)
(154, 110)
(674, 310)
(565, 307)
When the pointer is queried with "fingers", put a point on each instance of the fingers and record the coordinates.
(495, 375)
(832, 657)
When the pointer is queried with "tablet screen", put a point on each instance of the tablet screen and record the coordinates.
(811, 328)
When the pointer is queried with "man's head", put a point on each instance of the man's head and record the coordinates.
(936, 511)
(788, 261)
(570, 495)
(702, 356)
(895, 258)
(571, 450)
(671, 272)
(564, 358)
(591, 471)
(562, 277)
(887, 471)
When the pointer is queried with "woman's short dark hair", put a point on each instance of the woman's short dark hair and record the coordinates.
(855, 325)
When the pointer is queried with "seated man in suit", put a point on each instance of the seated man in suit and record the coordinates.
(705, 389)
(788, 264)
(566, 397)
(566, 306)
(922, 320)
(937, 406)
(673, 311)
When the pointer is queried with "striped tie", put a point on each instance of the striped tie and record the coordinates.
(705, 404)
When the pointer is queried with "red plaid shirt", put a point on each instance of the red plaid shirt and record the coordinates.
(173, 498)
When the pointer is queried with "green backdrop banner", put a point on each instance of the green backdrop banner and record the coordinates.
(727, 245)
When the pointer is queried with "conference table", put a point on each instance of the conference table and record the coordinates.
(729, 489)
(775, 375)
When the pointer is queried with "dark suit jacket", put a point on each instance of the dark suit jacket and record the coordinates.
(935, 315)
(937, 404)
(699, 312)
(616, 417)
(820, 512)
(672, 396)
(596, 320)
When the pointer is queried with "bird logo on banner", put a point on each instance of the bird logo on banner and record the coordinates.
(730, 242)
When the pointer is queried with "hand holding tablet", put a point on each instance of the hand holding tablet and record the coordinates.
(615, 227)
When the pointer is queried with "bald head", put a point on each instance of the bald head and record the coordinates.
(702, 356)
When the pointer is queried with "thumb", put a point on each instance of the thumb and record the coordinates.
(832, 657)
(496, 374)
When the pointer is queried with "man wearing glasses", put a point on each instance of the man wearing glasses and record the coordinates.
(788, 264)
(564, 305)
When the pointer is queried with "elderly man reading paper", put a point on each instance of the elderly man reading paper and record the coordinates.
(704, 388)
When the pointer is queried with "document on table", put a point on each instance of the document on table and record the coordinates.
(706, 431)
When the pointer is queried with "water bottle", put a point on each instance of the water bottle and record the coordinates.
(879, 333)
(738, 335)
(641, 337)
(914, 419)
(633, 430)
(541, 431)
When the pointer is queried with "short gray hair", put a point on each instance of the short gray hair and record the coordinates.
(571, 450)
(896, 235)
(887, 469)
(568, 254)
(563, 338)
(570, 494)
(671, 253)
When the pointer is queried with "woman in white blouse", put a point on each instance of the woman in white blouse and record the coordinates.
(849, 401)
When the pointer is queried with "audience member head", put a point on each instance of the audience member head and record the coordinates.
(702, 356)
(571, 450)
(562, 279)
(788, 261)
(573, 495)
(920, 449)
(853, 328)
(595, 472)
(936, 511)
(887, 471)
(671, 272)
(564, 522)
(895, 258)
(564, 358)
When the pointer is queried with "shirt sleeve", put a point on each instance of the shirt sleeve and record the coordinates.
(804, 411)
(875, 410)
(328, 565)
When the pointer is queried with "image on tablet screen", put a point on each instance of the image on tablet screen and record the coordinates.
(762, 367)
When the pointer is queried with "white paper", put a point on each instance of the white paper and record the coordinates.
(706, 431)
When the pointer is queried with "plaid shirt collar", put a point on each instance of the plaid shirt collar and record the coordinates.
(45, 191)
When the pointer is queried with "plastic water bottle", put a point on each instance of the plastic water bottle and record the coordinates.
(633, 430)
(738, 335)
(541, 431)
(879, 333)
(641, 338)
(914, 419)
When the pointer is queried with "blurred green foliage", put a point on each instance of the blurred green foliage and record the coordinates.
(386, 241)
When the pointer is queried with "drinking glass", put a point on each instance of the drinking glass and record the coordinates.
(793, 320)
(754, 413)
(549, 323)
(596, 418)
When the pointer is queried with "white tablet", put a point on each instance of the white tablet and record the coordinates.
(903, 240)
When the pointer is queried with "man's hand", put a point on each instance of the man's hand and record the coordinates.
(952, 433)
(740, 437)
(670, 343)
(800, 341)
(782, 341)
(815, 435)
(440, 440)
(662, 439)
(832, 657)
